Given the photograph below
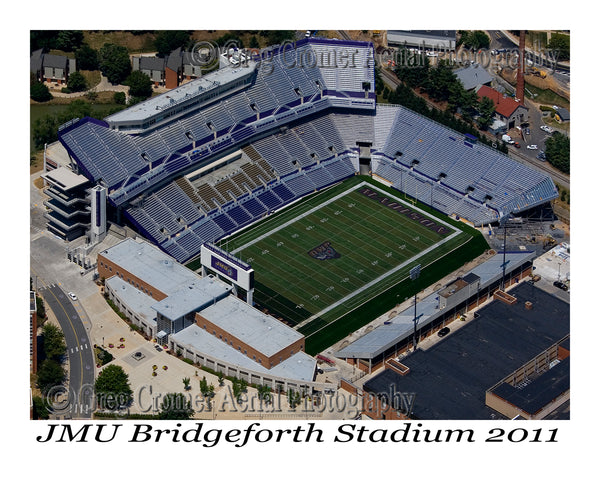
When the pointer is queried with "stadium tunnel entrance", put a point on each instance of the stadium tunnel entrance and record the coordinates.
(364, 158)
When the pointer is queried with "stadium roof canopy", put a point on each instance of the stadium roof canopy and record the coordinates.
(160, 103)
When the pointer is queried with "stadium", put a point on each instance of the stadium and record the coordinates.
(369, 190)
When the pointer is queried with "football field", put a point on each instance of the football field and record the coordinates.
(319, 259)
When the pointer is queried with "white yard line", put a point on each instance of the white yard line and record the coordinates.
(378, 279)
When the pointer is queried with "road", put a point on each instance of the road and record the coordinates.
(561, 73)
(79, 401)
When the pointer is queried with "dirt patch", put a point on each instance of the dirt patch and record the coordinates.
(134, 43)
(39, 183)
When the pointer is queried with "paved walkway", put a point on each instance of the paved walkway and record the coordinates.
(103, 86)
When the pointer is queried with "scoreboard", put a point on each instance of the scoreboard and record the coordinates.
(228, 266)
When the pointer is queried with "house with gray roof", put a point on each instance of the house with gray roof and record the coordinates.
(51, 68)
(473, 76)
(170, 71)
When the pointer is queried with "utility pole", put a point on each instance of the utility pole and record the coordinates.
(414, 274)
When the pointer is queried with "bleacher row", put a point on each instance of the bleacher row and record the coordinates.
(165, 215)
(115, 157)
(493, 183)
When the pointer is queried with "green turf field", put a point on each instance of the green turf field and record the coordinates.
(361, 246)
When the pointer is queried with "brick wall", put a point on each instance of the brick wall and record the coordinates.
(108, 268)
(244, 348)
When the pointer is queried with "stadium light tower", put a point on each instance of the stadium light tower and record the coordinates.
(504, 262)
(414, 274)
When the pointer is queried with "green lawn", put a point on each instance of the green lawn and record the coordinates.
(375, 248)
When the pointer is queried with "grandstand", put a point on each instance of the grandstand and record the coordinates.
(297, 121)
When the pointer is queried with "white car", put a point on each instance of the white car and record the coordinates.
(546, 128)
(531, 147)
(72, 296)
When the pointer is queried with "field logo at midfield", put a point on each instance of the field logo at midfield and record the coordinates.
(324, 252)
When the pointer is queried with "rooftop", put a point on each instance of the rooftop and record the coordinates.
(261, 332)
(473, 76)
(154, 105)
(541, 391)
(135, 299)
(192, 297)
(451, 377)
(299, 366)
(155, 267)
(402, 325)
(65, 178)
(505, 106)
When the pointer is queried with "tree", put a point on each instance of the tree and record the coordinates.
(264, 393)
(204, 387)
(40, 408)
(112, 388)
(230, 38)
(254, 42)
(76, 82)
(50, 373)
(438, 82)
(40, 307)
(54, 342)
(475, 39)
(558, 152)
(175, 406)
(561, 44)
(119, 98)
(139, 84)
(87, 58)
(39, 92)
(276, 37)
(69, 40)
(114, 63)
(168, 40)
(412, 69)
(45, 39)
(486, 112)
(186, 383)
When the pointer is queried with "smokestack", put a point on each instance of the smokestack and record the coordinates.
(521, 69)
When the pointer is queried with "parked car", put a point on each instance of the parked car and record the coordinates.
(561, 285)
(158, 347)
(546, 128)
(527, 131)
(72, 296)
(531, 147)
(517, 145)
(443, 332)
